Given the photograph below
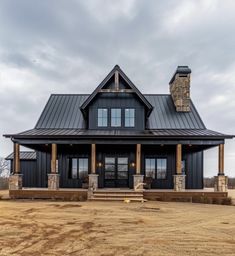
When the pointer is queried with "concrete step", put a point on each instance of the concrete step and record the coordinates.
(139, 199)
(117, 195)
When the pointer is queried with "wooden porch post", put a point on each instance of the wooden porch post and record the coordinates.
(16, 158)
(138, 158)
(93, 158)
(221, 159)
(178, 159)
(53, 157)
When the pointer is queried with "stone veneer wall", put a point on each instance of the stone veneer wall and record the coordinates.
(180, 92)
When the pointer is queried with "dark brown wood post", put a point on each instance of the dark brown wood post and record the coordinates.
(221, 160)
(53, 157)
(178, 159)
(16, 158)
(93, 158)
(138, 158)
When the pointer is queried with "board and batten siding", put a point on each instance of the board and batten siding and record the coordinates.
(117, 100)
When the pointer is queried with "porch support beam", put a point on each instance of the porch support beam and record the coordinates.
(138, 158)
(15, 180)
(221, 159)
(53, 177)
(16, 169)
(178, 159)
(93, 158)
(53, 157)
(179, 178)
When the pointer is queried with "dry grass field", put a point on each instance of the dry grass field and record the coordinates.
(88, 228)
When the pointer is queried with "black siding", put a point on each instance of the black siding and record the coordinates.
(114, 100)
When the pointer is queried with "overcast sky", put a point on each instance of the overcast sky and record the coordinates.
(55, 46)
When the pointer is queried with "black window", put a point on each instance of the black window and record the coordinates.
(102, 117)
(116, 117)
(183, 167)
(161, 168)
(156, 168)
(78, 168)
(129, 117)
(150, 167)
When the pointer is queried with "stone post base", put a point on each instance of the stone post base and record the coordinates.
(221, 183)
(53, 181)
(179, 182)
(138, 181)
(15, 182)
(93, 181)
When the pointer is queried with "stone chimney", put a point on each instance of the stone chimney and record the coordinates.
(180, 88)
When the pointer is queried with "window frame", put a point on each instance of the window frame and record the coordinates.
(129, 118)
(77, 159)
(161, 158)
(116, 126)
(156, 167)
(150, 158)
(102, 118)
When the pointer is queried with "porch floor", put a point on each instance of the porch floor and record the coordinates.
(77, 194)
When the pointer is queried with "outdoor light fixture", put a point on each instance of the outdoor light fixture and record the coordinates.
(99, 164)
(162, 145)
(132, 164)
(190, 145)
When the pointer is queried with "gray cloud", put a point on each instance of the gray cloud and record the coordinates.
(60, 46)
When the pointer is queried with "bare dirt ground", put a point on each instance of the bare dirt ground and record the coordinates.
(98, 228)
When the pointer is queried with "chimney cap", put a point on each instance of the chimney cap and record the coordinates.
(180, 70)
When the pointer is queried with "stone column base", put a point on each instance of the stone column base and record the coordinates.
(179, 182)
(15, 181)
(221, 183)
(138, 181)
(53, 181)
(93, 181)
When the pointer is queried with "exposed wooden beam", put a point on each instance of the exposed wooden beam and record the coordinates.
(16, 158)
(117, 91)
(178, 159)
(116, 80)
(93, 158)
(138, 158)
(53, 157)
(221, 159)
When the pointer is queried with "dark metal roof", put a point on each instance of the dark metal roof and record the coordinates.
(129, 82)
(24, 155)
(156, 133)
(62, 111)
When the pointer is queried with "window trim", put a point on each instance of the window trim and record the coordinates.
(70, 176)
(157, 168)
(107, 118)
(129, 118)
(155, 171)
(117, 126)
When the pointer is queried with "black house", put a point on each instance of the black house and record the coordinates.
(118, 137)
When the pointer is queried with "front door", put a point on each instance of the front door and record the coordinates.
(116, 171)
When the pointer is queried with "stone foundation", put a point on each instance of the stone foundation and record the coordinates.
(53, 181)
(221, 183)
(179, 182)
(93, 181)
(138, 179)
(15, 182)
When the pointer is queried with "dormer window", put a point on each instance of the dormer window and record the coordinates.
(102, 117)
(116, 117)
(129, 117)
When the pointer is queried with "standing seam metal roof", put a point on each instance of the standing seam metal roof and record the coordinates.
(62, 111)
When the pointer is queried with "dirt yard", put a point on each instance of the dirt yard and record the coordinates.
(88, 228)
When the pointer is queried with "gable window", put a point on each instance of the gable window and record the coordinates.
(156, 168)
(102, 117)
(78, 168)
(116, 117)
(129, 117)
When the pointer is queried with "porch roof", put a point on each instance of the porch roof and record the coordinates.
(115, 133)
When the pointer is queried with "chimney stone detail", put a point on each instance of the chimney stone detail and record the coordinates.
(180, 89)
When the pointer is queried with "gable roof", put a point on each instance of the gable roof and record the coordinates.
(62, 111)
(24, 155)
(127, 80)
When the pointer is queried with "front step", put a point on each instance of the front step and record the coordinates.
(117, 195)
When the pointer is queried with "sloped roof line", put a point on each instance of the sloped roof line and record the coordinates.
(125, 77)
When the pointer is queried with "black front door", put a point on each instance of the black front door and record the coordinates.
(116, 171)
